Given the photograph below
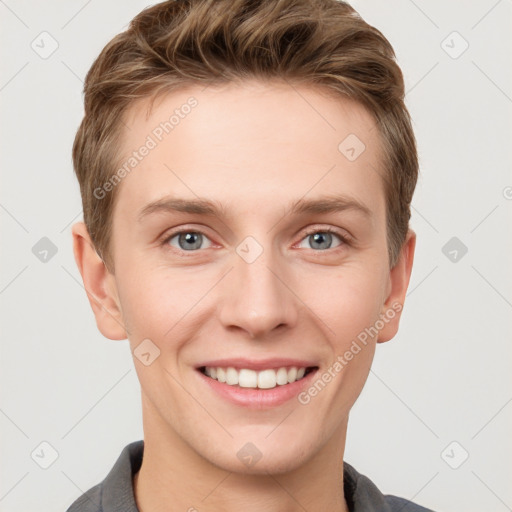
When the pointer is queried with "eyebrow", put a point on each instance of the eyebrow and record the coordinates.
(324, 204)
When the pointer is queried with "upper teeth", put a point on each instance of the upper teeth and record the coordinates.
(264, 379)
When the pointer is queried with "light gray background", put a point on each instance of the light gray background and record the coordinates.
(444, 378)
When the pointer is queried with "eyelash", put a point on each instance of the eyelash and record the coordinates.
(344, 238)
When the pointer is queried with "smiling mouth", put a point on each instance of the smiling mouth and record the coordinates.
(264, 379)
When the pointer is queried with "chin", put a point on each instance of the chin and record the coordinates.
(261, 457)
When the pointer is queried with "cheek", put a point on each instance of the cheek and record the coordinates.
(348, 300)
(158, 303)
(351, 309)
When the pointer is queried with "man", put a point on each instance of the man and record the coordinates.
(246, 171)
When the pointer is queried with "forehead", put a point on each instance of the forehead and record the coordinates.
(238, 141)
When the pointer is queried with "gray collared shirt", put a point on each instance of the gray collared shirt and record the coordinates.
(115, 493)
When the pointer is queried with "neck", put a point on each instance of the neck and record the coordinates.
(173, 477)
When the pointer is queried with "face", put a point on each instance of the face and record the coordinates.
(249, 246)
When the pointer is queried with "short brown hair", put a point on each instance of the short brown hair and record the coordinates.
(179, 43)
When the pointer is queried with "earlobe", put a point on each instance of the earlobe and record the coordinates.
(99, 285)
(399, 277)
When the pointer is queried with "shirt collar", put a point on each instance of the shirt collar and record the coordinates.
(117, 494)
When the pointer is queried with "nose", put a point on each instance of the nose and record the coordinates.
(257, 297)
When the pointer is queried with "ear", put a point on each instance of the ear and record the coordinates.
(398, 282)
(99, 284)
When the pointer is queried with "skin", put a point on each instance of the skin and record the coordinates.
(255, 148)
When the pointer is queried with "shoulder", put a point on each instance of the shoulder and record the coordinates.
(397, 504)
(88, 502)
(362, 495)
(115, 492)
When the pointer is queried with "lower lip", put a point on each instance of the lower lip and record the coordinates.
(258, 398)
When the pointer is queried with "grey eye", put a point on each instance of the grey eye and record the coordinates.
(321, 240)
(188, 240)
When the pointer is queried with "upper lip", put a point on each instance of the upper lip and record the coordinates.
(261, 364)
